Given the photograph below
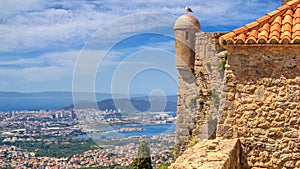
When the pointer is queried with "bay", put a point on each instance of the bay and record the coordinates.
(147, 131)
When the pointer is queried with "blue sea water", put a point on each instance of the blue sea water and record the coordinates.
(20, 103)
(148, 131)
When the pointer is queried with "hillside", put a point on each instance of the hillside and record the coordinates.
(138, 104)
(13, 101)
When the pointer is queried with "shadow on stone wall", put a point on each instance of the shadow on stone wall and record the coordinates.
(263, 104)
(252, 64)
(225, 154)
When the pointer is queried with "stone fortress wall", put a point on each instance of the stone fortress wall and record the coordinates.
(199, 90)
(253, 104)
(262, 105)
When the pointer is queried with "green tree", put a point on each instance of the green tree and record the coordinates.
(143, 159)
(163, 166)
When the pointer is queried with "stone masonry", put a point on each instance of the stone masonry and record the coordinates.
(199, 92)
(261, 107)
(239, 107)
(219, 154)
(263, 104)
(259, 104)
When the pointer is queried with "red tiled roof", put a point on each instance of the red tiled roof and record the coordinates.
(281, 26)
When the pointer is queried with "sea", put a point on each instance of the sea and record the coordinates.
(147, 131)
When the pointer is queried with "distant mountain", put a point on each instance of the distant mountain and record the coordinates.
(52, 94)
(134, 104)
(170, 98)
(12, 101)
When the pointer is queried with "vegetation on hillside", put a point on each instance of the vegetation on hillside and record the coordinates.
(143, 159)
(110, 167)
(163, 166)
(58, 148)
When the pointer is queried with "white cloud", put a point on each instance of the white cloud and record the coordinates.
(36, 74)
(49, 29)
(35, 26)
(30, 27)
(56, 58)
(55, 66)
(49, 67)
(12, 7)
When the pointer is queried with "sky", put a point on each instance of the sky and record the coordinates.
(104, 46)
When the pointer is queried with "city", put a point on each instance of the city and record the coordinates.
(60, 139)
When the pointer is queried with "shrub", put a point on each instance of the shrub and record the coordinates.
(163, 166)
(143, 159)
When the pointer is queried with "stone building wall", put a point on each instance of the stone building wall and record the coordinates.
(209, 76)
(256, 99)
(199, 90)
(262, 106)
(219, 154)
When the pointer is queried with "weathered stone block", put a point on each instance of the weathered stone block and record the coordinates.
(289, 164)
(271, 148)
(225, 131)
(230, 121)
(257, 132)
(252, 124)
(241, 122)
(291, 134)
(275, 133)
(285, 157)
(264, 124)
(280, 117)
(297, 164)
(296, 156)
(294, 121)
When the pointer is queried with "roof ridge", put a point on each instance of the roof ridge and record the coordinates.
(271, 18)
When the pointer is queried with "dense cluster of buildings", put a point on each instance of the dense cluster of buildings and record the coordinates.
(32, 126)
(161, 152)
(92, 119)
(28, 125)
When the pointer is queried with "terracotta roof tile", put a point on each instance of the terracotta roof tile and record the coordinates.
(281, 26)
(273, 40)
(230, 41)
(241, 39)
(252, 24)
(283, 7)
(286, 34)
(266, 27)
(253, 33)
(239, 30)
(251, 40)
(288, 18)
(296, 40)
(290, 3)
(296, 27)
(275, 30)
(262, 40)
(297, 33)
(277, 20)
(273, 13)
(285, 40)
(287, 28)
(260, 20)
(297, 12)
(296, 20)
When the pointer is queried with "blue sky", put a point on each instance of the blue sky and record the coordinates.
(45, 43)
